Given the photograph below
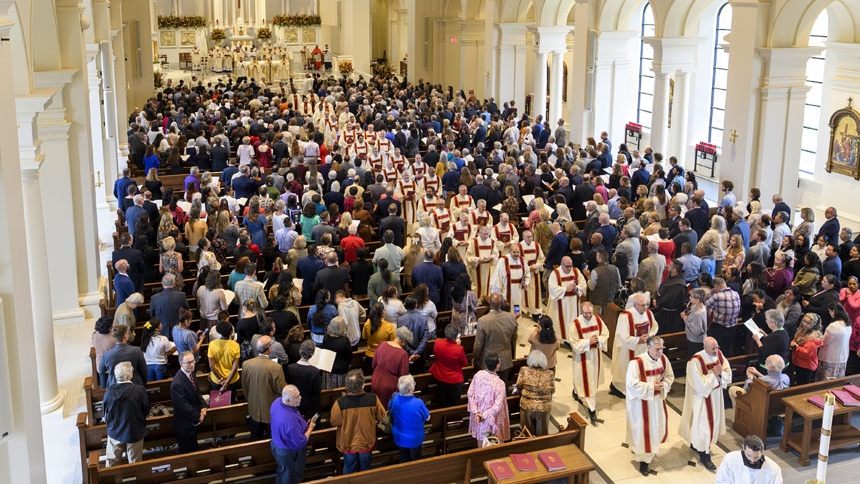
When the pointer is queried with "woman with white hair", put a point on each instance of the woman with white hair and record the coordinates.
(408, 414)
(245, 151)
(717, 238)
(537, 385)
(429, 235)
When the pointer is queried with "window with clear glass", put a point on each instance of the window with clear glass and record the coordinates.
(645, 104)
(719, 79)
(815, 82)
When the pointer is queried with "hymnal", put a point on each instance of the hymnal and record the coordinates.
(181, 473)
(500, 469)
(845, 398)
(204, 472)
(552, 461)
(245, 461)
(816, 400)
(161, 468)
(853, 390)
(524, 462)
(642, 329)
(231, 467)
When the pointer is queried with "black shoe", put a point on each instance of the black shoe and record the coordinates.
(593, 416)
(616, 392)
(565, 344)
(705, 459)
(644, 469)
(575, 396)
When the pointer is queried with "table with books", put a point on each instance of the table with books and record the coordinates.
(810, 407)
(566, 462)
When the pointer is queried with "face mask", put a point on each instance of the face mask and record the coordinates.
(752, 465)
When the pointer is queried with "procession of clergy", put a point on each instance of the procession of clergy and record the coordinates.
(267, 63)
(498, 261)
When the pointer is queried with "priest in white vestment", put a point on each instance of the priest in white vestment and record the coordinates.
(749, 465)
(511, 278)
(463, 202)
(481, 255)
(505, 234)
(461, 234)
(533, 256)
(588, 336)
(565, 286)
(441, 218)
(649, 378)
(634, 326)
(481, 216)
(703, 419)
(406, 193)
(428, 202)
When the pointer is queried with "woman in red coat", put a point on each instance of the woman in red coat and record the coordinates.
(390, 362)
(448, 367)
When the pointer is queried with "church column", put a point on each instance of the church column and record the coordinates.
(356, 33)
(539, 101)
(119, 79)
(111, 136)
(680, 117)
(614, 98)
(511, 66)
(27, 108)
(581, 75)
(548, 40)
(660, 112)
(556, 88)
(54, 177)
(104, 195)
(783, 101)
(492, 40)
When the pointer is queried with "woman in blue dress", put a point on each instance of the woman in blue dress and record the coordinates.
(255, 223)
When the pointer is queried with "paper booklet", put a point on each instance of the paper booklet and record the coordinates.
(230, 295)
(323, 359)
(242, 201)
(753, 328)
(185, 206)
(298, 283)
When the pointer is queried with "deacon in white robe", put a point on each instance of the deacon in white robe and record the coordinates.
(634, 326)
(505, 234)
(481, 256)
(432, 181)
(533, 256)
(481, 216)
(463, 202)
(441, 218)
(588, 336)
(565, 286)
(461, 233)
(427, 204)
(649, 378)
(703, 418)
(405, 192)
(749, 465)
(511, 278)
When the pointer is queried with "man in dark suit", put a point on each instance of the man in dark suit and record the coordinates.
(779, 205)
(479, 190)
(262, 382)
(583, 193)
(136, 264)
(124, 352)
(430, 274)
(497, 333)
(307, 269)
(565, 190)
(672, 220)
(165, 305)
(557, 248)
(333, 277)
(830, 228)
(189, 409)
(395, 224)
(384, 203)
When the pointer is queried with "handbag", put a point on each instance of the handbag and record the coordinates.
(523, 434)
(220, 399)
(489, 440)
(385, 423)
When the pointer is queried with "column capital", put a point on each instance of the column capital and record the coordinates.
(58, 78)
(785, 66)
(549, 39)
(5, 28)
(614, 44)
(674, 53)
(512, 33)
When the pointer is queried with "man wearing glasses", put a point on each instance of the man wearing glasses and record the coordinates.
(189, 409)
(632, 330)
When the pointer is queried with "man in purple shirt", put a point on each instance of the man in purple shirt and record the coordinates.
(193, 177)
(290, 433)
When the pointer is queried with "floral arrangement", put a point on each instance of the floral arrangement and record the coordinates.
(381, 69)
(158, 79)
(264, 33)
(186, 21)
(345, 67)
(297, 20)
(217, 35)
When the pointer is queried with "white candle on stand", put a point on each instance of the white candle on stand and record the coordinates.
(826, 428)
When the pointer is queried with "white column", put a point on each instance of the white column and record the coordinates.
(521, 51)
(672, 55)
(660, 113)
(97, 124)
(680, 117)
(539, 102)
(556, 87)
(614, 101)
(581, 94)
(111, 136)
(783, 100)
(511, 75)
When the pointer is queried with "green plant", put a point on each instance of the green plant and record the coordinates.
(185, 21)
(297, 20)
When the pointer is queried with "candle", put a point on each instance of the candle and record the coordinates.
(826, 427)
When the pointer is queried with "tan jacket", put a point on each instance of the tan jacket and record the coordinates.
(262, 383)
(355, 417)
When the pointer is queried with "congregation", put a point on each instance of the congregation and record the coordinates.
(348, 217)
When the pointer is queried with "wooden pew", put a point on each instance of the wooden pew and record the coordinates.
(753, 408)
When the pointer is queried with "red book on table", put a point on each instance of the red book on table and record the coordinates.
(501, 470)
(845, 398)
(853, 390)
(524, 462)
(552, 461)
(816, 400)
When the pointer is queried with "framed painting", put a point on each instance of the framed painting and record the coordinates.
(309, 35)
(168, 38)
(291, 35)
(187, 38)
(844, 142)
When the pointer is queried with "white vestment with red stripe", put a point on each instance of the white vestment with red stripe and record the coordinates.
(441, 219)
(461, 234)
(509, 278)
(563, 306)
(630, 324)
(587, 367)
(503, 235)
(406, 193)
(462, 204)
(534, 258)
(480, 272)
(647, 414)
(479, 219)
(427, 206)
(703, 419)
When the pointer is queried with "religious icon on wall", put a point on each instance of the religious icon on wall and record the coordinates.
(844, 142)
(168, 38)
(291, 35)
(309, 35)
(187, 38)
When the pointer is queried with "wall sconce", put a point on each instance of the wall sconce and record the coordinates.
(733, 136)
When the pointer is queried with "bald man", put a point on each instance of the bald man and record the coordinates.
(511, 278)
(481, 255)
(588, 336)
(633, 328)
(566, 285)
(703, 418)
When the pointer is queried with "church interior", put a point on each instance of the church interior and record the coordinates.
(755, 82)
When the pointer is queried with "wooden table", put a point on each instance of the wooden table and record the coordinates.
(578, 467)
(807, 443)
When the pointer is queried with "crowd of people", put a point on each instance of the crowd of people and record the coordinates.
(366, 188)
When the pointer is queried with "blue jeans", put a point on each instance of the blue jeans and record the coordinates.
(356, 462)
(291, 465)
(155, 372)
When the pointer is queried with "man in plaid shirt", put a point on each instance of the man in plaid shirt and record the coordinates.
(249, 288)
(725, 306)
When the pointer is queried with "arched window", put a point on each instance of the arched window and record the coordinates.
(646, 77)
(719, 77)
(815, 81)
